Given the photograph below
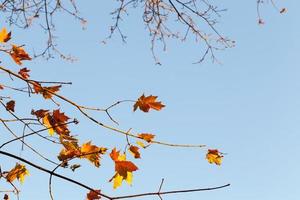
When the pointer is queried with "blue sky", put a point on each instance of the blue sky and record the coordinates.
(248, 106)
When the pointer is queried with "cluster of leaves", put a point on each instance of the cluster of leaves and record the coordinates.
(57, 123)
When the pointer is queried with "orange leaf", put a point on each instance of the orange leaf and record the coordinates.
(18, 172)
(93, 195)
(146, 136)
(145, 103)
(114, 154)
(47, 92)
(18, 54)
(24, 73)
(135, 151)
(11, 105)
(4, 36)
(214, 156)
(123, 169)
(71, 149)
(92, 153)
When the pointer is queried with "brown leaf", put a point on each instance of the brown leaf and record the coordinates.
(18, 54)
(135, 151)
(6, 197)
(93, 195)
(10, 106)
(59, 116)
(145, 103)
(1, 87)
(122, 167)
(47, 92)
(40, 113)
(24, 73)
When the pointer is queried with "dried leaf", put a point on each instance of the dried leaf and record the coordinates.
(74, 167)
(18, 172)
(11, 106)
(18, 54)
(60, 117)
(24, 73)
(283, 10)
(6, 197)
(1, 87)
(145, 103)
(214, 156)
(4, 36)
(47, 92)
(135, 151)
(93, 195)
(40, 113)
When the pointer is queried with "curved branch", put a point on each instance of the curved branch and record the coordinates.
(104, 195)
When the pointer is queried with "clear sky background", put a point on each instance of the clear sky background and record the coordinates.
(248, 106)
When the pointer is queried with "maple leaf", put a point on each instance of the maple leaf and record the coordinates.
(18, 54)
(93, 195)
(18, 172)
(123, 169)
(214, 156)
(59, 120)
(71, 150)
(92, 153)
(4, 36)
(135, 151)
(60, 116)
(24, 73)
(47, 92)
(55, 122)
(146, 136)
(11, 106)
(145, 103)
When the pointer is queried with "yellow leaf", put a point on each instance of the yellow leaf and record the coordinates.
(141, 144)
(48, 125)
(214, 156)
(129, 178)
(117, 181)
(18, 172)
(4, 36)
(92, 153)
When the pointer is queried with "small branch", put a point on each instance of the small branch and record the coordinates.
(169, 192)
